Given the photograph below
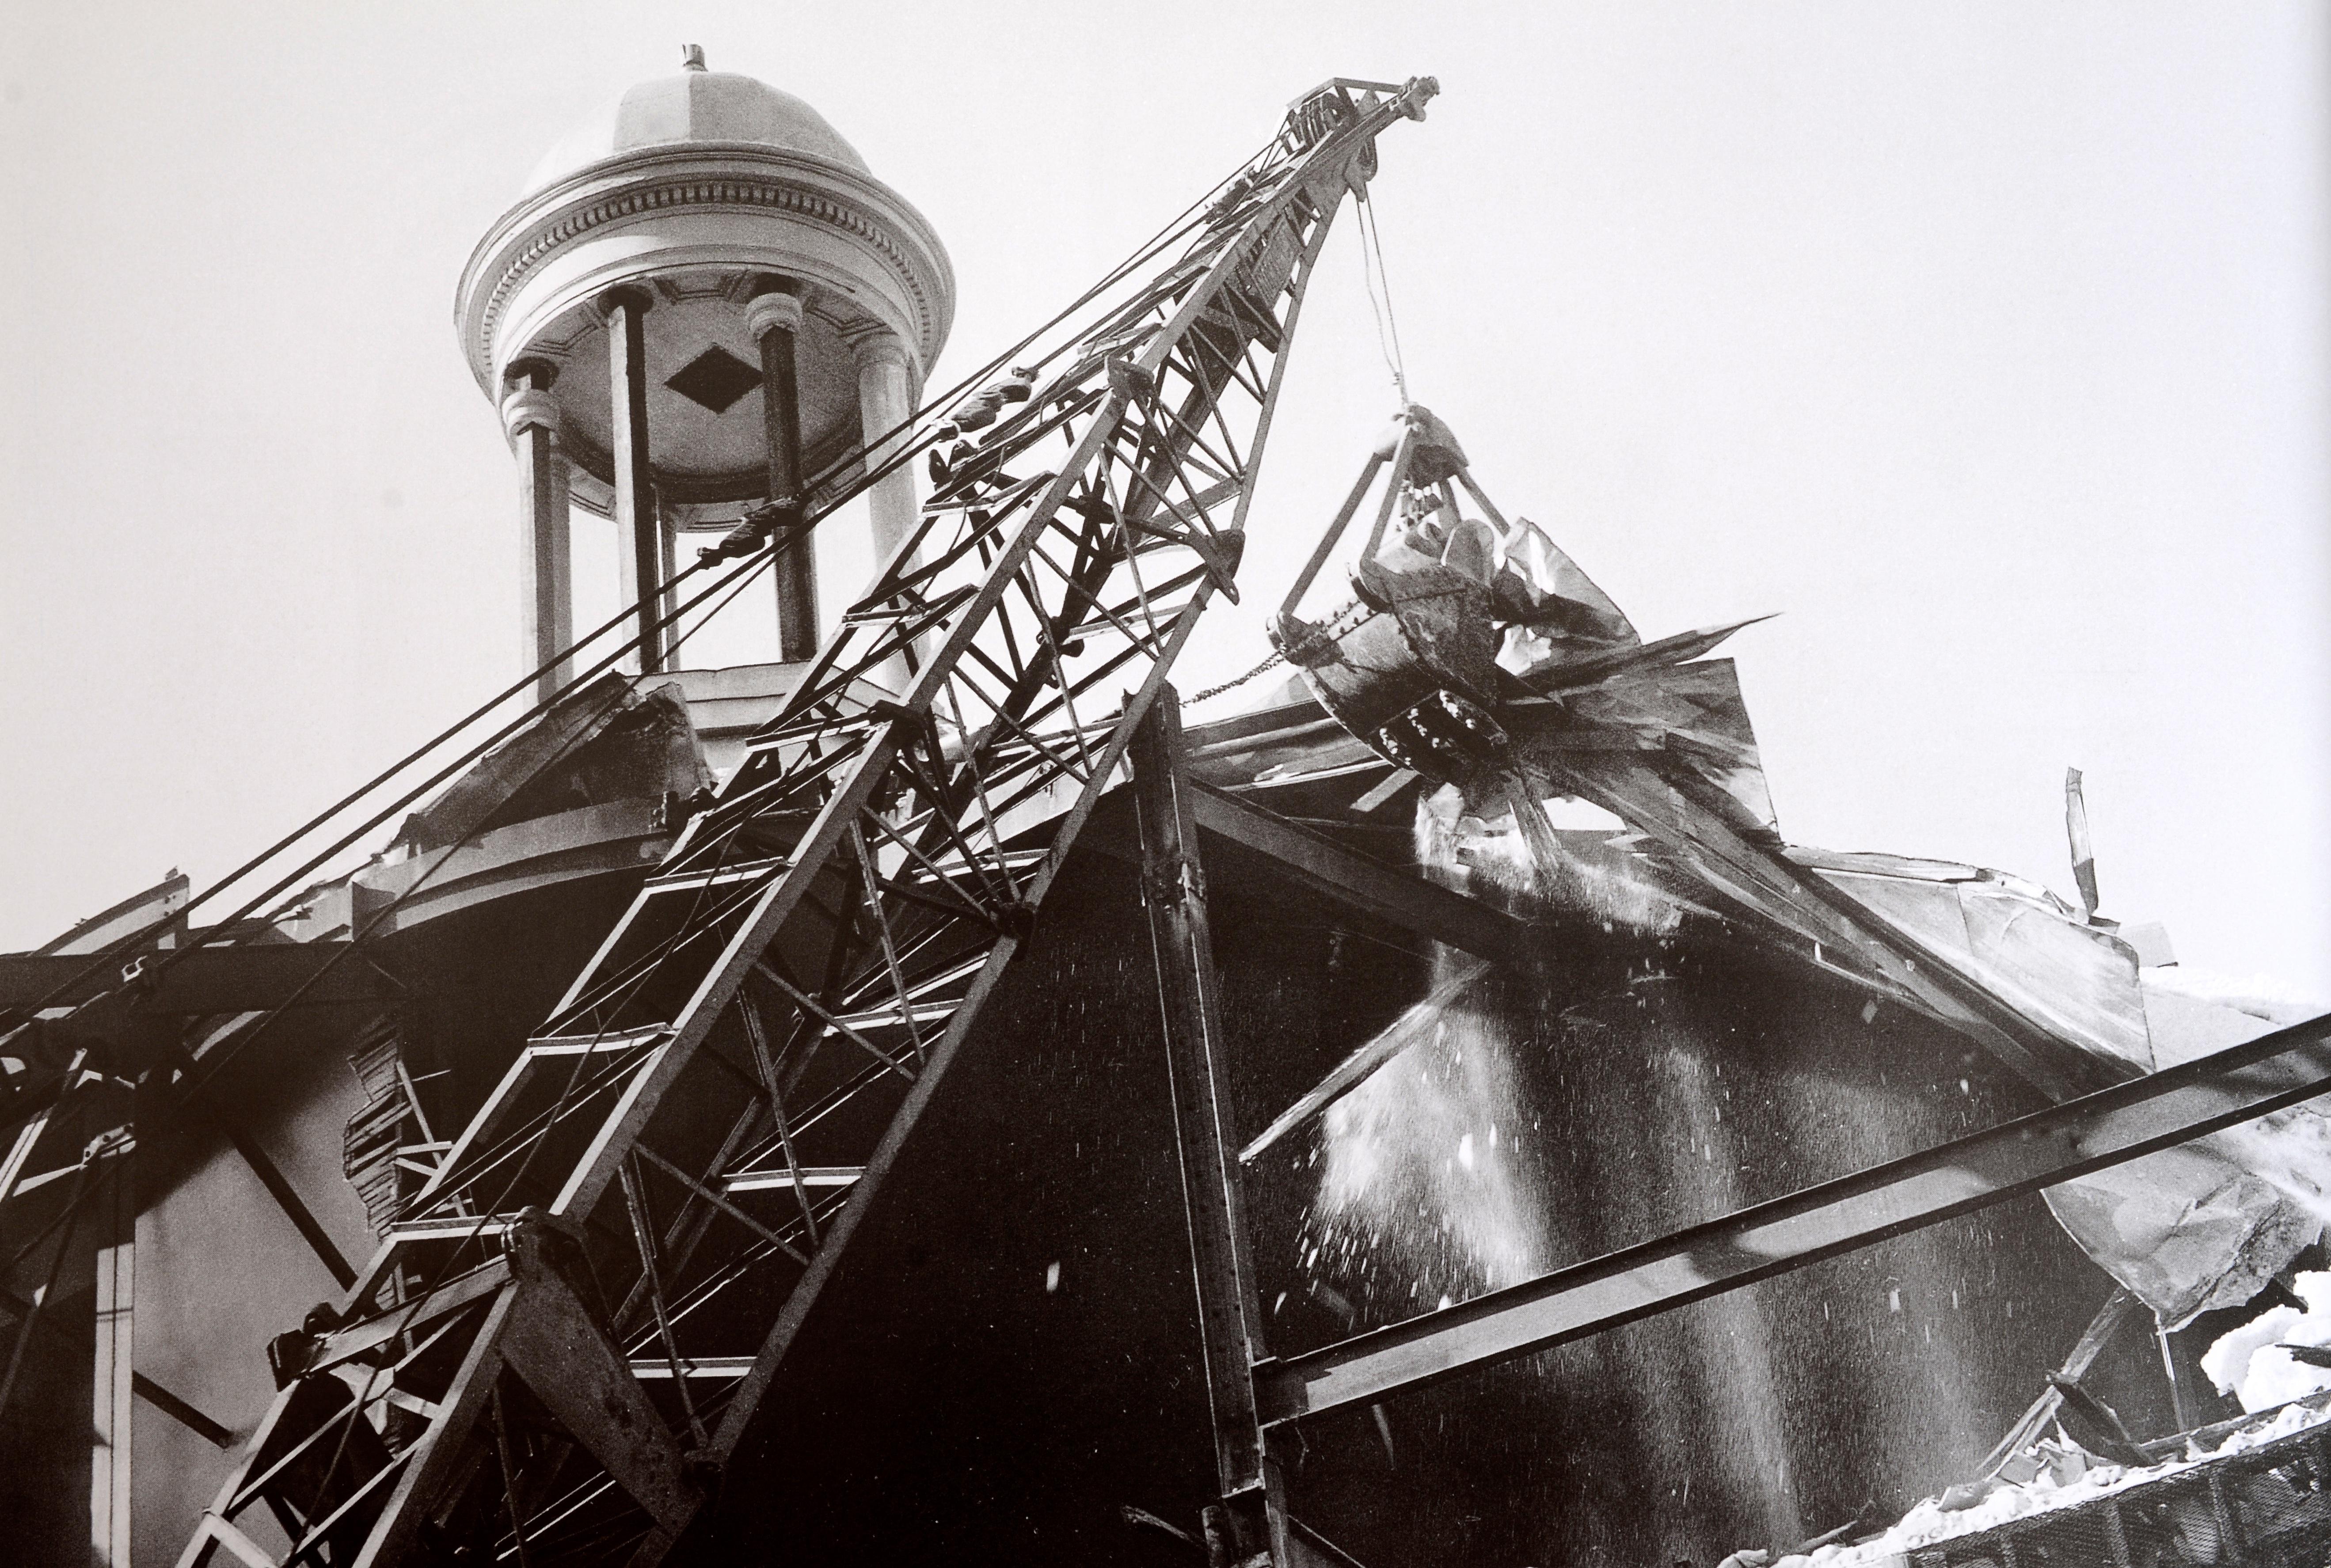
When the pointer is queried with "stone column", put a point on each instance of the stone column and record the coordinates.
(667, 570)
(639, 531)
(888, 391)
(545, 569)
(775, 320)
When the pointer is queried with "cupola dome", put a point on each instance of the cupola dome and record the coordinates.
(698, 106)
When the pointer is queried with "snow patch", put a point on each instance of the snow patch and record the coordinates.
(2251, 1362)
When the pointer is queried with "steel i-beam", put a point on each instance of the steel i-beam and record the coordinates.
(2109, 1128)
(1230, 1314)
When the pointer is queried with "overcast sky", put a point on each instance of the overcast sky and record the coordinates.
(1987, 342)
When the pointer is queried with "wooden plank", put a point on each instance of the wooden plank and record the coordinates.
(2118, 1308)
(1406, 1030)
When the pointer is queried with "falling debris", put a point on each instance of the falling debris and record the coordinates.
(1409, 1176)
(2060, 1478)
(2084, 858)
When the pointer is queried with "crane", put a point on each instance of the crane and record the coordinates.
(566, 1331)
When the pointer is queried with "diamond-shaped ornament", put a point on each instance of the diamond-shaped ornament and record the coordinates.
(714, 379)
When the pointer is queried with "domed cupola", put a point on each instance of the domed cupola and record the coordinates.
(696, 106)
(699, 275)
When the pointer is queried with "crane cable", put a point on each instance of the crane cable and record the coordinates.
(1379, 286)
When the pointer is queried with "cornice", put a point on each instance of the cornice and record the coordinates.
(702, 176)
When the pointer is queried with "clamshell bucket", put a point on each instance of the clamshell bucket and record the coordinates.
(1410, 663)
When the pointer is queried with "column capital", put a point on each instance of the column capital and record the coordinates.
(530, 408)
(622, 294)
(769, 312)
(530, 371)
(882, 347)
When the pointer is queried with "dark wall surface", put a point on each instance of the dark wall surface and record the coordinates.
(946, 1405)
(954, 1400)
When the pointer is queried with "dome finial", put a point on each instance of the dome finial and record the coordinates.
(691, 57)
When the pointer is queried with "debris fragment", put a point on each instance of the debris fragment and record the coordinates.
(2265, 1363)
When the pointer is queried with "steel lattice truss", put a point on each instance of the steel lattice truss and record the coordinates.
(562, 1342)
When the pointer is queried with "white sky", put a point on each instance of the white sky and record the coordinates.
(1987, 341)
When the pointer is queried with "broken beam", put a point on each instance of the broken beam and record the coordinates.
(2118, 1308)
(1417, 1023)
(2111, 1126)
(1358, 881)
